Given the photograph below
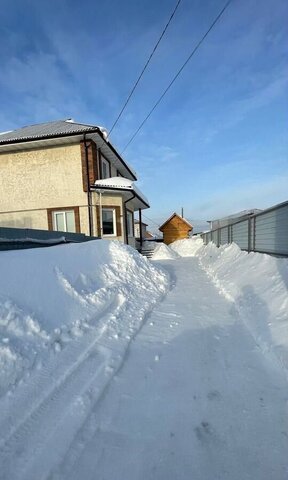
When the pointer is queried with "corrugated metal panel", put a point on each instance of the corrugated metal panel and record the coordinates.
(215, 237)
(240, 234)
(271, 233)
(265, 232)
(224, 236)
(209, 237)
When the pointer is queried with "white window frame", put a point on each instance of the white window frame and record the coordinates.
(107, 165)
(114, 234)
(63, 212)
(130, 223)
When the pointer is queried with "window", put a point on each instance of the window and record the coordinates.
(64, 219)
(130, 224)
(109, 221)
(105, 168)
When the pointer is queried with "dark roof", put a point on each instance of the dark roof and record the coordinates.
(45, 130)
(59, 128)
(180, 218)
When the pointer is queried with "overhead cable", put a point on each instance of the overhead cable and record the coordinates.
(144, 68)
(178, 73)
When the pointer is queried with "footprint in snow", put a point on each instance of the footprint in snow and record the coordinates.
(214, 395)
(204, 431)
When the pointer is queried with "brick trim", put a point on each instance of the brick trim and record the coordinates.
(92, 163)
(60, 209)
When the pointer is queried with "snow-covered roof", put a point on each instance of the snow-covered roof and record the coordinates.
(121, 183)
(180, 218)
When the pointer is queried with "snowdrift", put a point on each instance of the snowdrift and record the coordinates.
(257, 284)
(52, 295)
(164, 252)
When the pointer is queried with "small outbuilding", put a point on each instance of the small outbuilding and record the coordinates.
(175, 228)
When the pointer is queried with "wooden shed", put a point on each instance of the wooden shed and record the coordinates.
(175, 228)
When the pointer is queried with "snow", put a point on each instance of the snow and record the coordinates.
(256, 283)
(51, 241)
(124, 368)
(48, 297)
(120, 183)
(163, 252)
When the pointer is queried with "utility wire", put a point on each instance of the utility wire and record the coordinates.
(150, 220)
(178, 73)
(144, 68)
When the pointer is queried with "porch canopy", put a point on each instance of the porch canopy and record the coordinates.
(125, 188)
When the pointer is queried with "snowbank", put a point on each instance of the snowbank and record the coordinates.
(187, 247)
(164, 252)
(256, 283)
(181, 248)
(50, 296)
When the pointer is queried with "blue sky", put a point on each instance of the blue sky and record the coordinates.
(218, 142)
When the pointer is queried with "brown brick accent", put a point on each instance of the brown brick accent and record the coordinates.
(76, 213)
(92, 163)
(118, 218)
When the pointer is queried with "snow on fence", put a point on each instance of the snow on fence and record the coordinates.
(264, 232)
(21, 238)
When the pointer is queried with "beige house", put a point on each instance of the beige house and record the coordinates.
(67, 176)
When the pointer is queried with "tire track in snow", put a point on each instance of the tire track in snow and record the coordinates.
(72, 368)
(89, 424)
(52, 426)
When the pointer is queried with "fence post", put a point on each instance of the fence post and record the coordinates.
(229, 234)
(249, 234)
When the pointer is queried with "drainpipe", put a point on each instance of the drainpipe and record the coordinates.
(140, 229)
(90, 214)
(100, 214)
(126, 220)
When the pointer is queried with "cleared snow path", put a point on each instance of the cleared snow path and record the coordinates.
(195, 398)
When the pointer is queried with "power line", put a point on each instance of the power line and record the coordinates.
(178, 73)
(150, 220)
(144, 68)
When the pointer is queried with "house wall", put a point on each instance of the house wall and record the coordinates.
(34, 180)
(37, 179)
(176, 229)
(137, 230)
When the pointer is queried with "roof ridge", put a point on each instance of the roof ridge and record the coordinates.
(42, 123)
(179, 216)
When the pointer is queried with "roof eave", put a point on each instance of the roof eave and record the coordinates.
(69, 134)
(119, 190)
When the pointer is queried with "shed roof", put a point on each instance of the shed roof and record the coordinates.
(180, 218)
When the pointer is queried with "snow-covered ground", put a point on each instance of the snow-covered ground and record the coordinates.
(103, 376)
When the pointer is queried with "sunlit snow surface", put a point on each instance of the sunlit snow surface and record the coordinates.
(103, 376)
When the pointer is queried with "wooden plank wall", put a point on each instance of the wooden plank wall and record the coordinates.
(174, 230)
